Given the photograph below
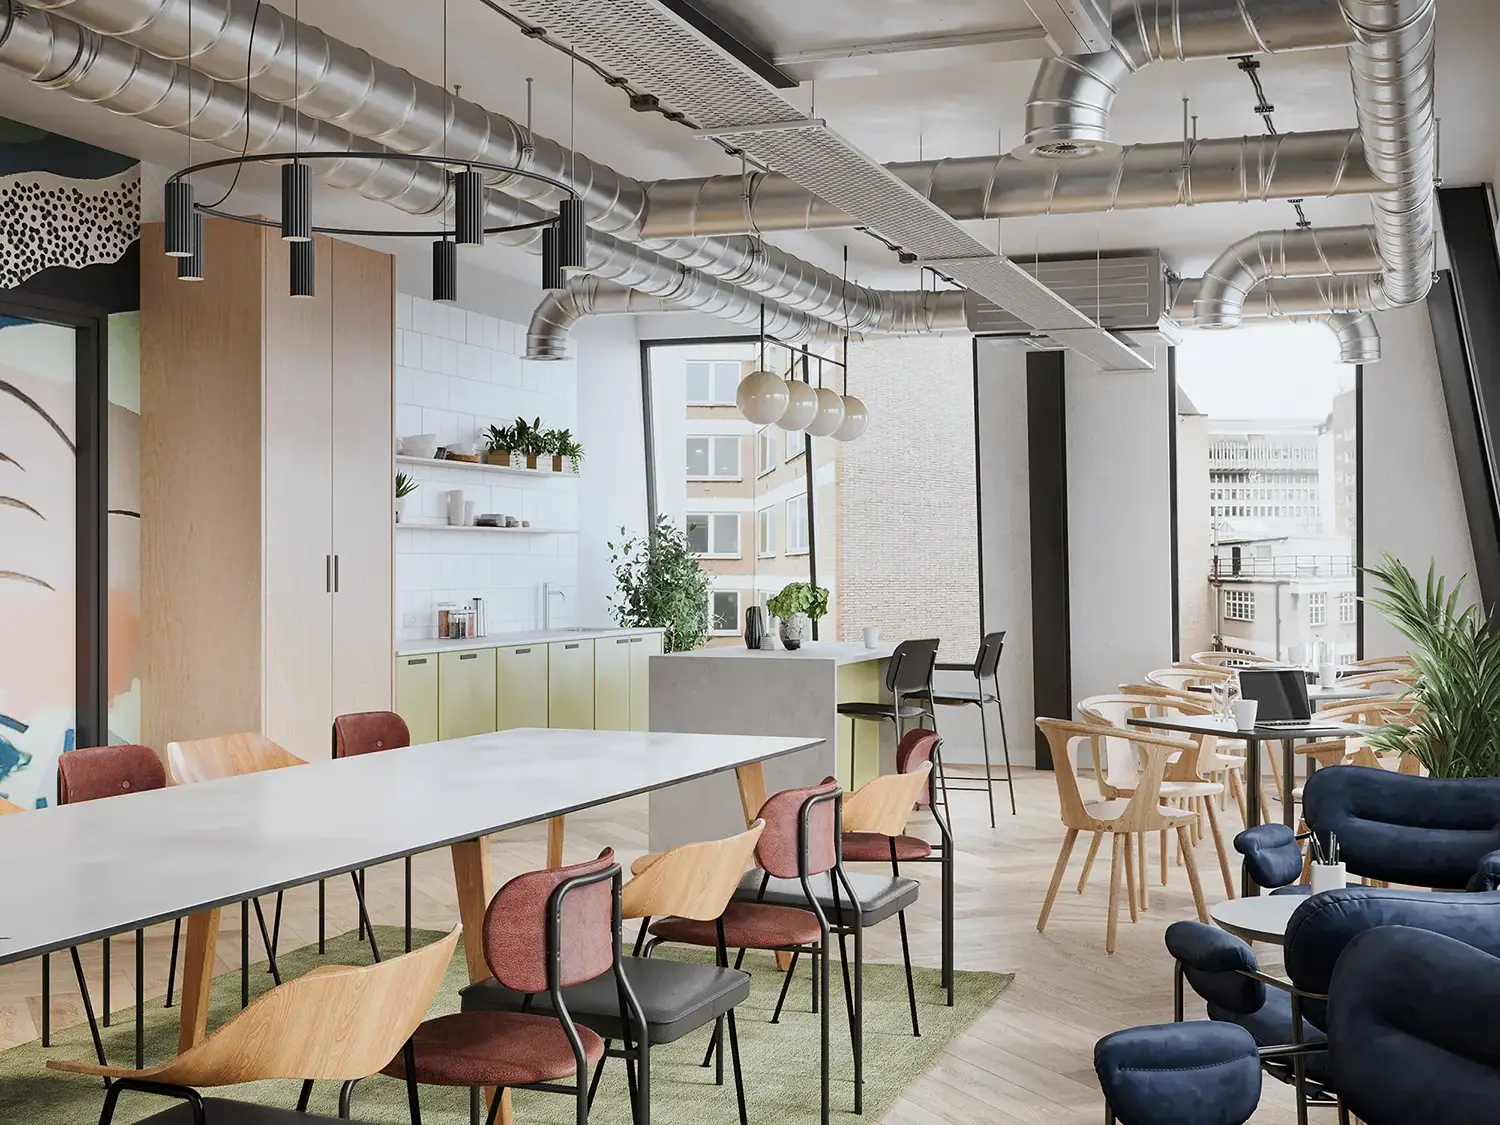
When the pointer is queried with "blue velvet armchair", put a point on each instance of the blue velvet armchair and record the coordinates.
(1413, 1034)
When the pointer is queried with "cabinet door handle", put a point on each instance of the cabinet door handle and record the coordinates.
(327, 574)
(523, 652)
(468, 656)
(419, 660)
(570, 646)
(635, 640)
(623, 641)
(335, 574)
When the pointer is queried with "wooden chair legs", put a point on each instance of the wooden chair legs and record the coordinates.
(1213, 824)
(1192, 870)
(1088, 862)
(1117, 845)
(1057, 875)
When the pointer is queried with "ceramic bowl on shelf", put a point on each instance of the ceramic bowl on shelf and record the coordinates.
(420, 445)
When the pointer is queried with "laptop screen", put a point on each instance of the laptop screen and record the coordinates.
(1281, 693)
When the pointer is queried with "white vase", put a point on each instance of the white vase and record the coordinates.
(794, 630)
(455, 502)
(400, 507)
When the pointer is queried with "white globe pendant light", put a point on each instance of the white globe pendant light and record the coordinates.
(829, 416)
(856, 420)
(762, 397)
(802, 406)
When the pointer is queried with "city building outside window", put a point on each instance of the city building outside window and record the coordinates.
(794, 444)
(713, 458)
(1317, 608)
(796, 525)
(712, 383)
(724, 616)
(765, 532)
(765, 455)
(714, 534)
(1239, 605)
(1348, 612)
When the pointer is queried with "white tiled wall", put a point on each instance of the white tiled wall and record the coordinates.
(457, 372)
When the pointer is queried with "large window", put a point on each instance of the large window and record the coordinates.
(1348, 609)
(765, 451)
(796, 525)
(765, 533)
(716, 534)
(712, 383)
(713, 458)
(1239, 605)
(724, 612)
(1317, 608)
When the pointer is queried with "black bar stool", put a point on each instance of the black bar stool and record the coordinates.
(986, 666)
(909, 672)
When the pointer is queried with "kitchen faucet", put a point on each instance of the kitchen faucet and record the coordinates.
(548, 592)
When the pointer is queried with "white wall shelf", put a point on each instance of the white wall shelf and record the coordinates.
(474, 466)
(501, 530)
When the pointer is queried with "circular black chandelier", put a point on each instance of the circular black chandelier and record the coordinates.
(564, 236)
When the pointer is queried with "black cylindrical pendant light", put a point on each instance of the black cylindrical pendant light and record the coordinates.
(572, 248)
(296, 202)
(552, 274)
(178, 213)
(468, 208)
(445, 270)
(190, 268)
(304, 270)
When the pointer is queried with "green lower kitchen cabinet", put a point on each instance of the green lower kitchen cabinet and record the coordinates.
(417, 696)
(466, 693)
(570, 684)
(642, 648)
(612, 683)
(521, 687)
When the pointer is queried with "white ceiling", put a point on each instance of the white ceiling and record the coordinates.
(950, 105)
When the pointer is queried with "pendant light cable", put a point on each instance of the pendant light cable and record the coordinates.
(245, 148)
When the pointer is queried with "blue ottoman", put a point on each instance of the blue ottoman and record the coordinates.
(1179, 1074)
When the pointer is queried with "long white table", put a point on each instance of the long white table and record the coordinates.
(81, 872)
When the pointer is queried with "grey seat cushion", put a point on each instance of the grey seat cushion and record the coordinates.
(677, 997)
(863, 710)
(221, 1111)
(880, 896)
(962, 696)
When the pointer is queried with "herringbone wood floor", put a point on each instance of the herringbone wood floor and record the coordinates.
(1028, 1061)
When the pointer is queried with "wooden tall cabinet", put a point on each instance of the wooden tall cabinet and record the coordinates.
(266, 467)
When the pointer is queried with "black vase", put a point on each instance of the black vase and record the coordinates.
(755, 626)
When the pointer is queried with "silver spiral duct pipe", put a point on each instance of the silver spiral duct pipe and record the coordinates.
(1227, 170)
(1068, 112)
(1393, 61)
(1331, 252)
(346, 86)
(1359, 339)
(1344, 304)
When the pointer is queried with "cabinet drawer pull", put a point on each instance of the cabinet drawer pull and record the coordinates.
(523, 651)
(624, 640)
(570, 646)
(418, 660)
(635, 640)
(468, 656)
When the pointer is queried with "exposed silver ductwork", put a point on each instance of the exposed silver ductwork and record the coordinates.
(1359, 339)
(1344, 304)
(1227, 170)
(1331, 252)
(1067, 114)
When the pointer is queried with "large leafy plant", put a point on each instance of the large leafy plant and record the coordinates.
(800, 597)
(659, 584)
(1455, 648)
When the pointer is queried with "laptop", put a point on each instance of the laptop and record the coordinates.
(1282, 695)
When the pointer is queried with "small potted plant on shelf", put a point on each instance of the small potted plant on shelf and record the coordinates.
(567, 454)
(500, 442)
(405, 486)
(797, 606)
(531, 441)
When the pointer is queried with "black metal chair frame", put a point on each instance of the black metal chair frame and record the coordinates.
(893, 684)
(986, 663)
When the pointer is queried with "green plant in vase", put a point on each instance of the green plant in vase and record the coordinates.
(531, 440)
(405, 486)
(500, 442)
(797, 606)
(567, 454)
(659, 584)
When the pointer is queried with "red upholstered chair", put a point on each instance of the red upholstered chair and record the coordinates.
(799, 842)
(89, 774)
(367, 732)
(545, 931)
(917, 749)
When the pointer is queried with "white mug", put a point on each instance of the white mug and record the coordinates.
(455, 500)
(1328, 675)
(1244, 713)
(1328, 877)
(871, 635)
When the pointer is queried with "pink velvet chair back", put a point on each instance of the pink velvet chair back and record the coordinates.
(917, 746)
(777, 850)
(515, 927)
(92, 772)
(367, 732)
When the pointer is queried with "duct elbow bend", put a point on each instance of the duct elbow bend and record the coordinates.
(551, 321)
(1067, 114)
(1359, 338)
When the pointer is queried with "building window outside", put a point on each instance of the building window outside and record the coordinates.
(1239, 605)
(1317, 608)
(712, 383)
(1348, 612)
(795, 446)
(796, 525)
(713, 458)
(765, 455)
(765, 532)
(724, 614)
(714, 534)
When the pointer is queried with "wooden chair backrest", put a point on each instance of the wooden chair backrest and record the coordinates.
(1178, 678)
(1382, 662)
(335, 1023)
(1142, 813)
(228, 755)
(1114, 757)
(1393, 680)
(1228, 659)
(694, 881)
(883, 804)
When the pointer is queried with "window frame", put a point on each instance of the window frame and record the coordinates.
(799, 501)
(765, 440)
(765, 520)
(1317, 608)
(733, 628)
(713, 439)
(1245, 598)
(713, 366)
(709, 519)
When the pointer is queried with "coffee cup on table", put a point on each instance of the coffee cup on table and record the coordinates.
(1328, 675)
(1244, 713)
(871, 635)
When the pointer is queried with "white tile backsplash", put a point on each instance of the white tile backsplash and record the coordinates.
(457, 373)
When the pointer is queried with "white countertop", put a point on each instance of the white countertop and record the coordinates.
(506, 640)
(840, 652)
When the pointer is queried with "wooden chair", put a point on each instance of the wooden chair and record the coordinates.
(335, 1024)
(1228, 659)
(1375, 662)
(1180, 677)
(676, 998)
(1117, 772)
(1122, 818)
(1391, 681)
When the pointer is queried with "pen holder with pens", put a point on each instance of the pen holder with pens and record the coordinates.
(1327, 871)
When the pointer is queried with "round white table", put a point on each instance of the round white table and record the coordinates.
(1257, 918)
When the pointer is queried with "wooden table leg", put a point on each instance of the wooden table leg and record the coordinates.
(475, 882)
(198, 952)
(555, 828)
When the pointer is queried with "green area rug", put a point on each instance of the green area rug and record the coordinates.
(780, 1060)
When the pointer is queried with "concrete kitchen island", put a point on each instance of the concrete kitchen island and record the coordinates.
(735, 690)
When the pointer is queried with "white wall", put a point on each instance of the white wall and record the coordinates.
(1413, 507)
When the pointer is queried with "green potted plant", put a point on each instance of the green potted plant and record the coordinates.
(1454, 729)
(499, 443)
(531, 440)
(659, 584)
(567, 454)
(405, 486)
(797, 606)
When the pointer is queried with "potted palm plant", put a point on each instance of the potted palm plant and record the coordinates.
(405, 486)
